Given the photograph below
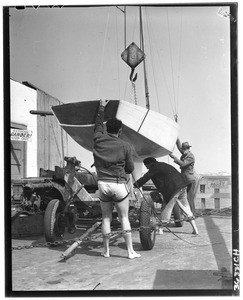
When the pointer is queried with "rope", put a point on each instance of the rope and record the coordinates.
(195, 244)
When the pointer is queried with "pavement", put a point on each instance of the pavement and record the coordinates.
(179, 262)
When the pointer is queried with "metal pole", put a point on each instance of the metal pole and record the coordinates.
(63, 164)
(144, 64)
(125, 33)
(80, 240)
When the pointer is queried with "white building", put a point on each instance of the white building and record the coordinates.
(213, 192)
(36, 141)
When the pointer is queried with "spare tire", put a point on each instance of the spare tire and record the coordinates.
(148, 220)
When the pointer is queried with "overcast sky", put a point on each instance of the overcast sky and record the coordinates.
(74, 54)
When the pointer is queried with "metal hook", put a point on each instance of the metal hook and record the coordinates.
(131, 75)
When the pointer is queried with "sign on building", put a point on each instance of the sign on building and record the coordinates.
(21, 135)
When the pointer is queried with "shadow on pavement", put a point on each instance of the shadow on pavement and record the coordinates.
(188, 280)
(220, 250)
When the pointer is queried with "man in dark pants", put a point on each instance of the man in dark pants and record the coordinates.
(113, 162)
(171, 184)
(186, 163)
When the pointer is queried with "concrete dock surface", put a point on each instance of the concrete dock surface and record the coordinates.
(179, 261)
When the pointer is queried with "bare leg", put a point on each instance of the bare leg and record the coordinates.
(106, 208)
(122, 210)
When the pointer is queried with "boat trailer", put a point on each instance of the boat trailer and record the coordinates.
(68, 195)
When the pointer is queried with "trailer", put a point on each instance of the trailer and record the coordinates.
(69, 194)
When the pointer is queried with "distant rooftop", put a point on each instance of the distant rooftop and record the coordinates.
(216, 174)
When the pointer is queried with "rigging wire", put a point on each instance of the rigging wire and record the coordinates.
(144, 64)
(103, 51)
(171, 60)
(118, 69)
(179, 67)
(161, 67)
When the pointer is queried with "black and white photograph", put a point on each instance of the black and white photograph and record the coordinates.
(121, 149)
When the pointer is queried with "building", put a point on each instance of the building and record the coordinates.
(36, 141)
(213, 192)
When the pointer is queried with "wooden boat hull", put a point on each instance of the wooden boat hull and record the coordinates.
(149, 133)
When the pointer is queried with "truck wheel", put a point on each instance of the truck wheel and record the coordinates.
(54, 223)
(177, 215)
(147, 219)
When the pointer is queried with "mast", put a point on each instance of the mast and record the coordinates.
(144, 64)
(125, 30)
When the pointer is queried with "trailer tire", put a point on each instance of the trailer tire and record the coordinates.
(54, 226)
(177, 215)
(147, 219)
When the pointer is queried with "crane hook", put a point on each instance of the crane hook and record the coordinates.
(131, 75)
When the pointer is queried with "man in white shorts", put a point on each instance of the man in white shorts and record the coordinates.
(113, 162)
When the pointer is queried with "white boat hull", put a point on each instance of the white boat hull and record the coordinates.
(149, 133)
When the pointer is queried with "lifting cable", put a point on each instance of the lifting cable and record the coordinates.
(133, 97)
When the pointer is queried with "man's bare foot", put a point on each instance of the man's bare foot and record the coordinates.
(133, 255)
(105, 254)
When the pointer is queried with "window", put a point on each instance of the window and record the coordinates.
(216, 191)
(217, 203)
(202, 188)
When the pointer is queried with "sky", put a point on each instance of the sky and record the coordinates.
(74, 54)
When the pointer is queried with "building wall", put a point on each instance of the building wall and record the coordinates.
(213, 192)
(54, 140)
(48, 143)
(22, 100)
